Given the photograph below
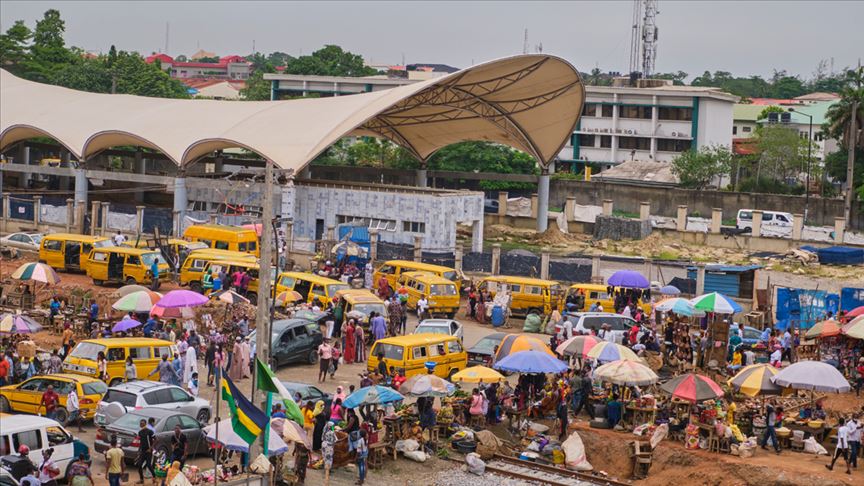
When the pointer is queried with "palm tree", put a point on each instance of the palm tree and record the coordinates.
(839, 115)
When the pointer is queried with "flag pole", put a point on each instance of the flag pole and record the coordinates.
(267, 429)
(217, 449)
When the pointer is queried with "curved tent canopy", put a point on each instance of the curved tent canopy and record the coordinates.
(529, 102)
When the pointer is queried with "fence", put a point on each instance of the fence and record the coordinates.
(477, 262)
(520, 263)
(570, 270)
(394, 251)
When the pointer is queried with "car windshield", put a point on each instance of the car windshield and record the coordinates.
(94, 388)
(443, 289)
(149, 258)
(486, 345)
(391, 351)
(123, 398)
(332, 289)
(36, 238)
(451, 276)
(129, 421)
(87, 351)
(103, 243)
(432, 329)
(370, 308)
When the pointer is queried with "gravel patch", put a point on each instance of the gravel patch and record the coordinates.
(458, 477)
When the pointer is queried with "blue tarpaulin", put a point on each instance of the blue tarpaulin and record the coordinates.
(851, 298)
(838, 255)
(805, 307)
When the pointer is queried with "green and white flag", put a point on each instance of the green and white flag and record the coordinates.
(268, 382)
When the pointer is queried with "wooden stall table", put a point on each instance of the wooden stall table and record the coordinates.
(636, 416)
(377, 451)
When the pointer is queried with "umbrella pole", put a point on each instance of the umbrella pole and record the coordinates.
(217, 450)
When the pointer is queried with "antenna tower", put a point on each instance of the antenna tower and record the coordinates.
(643, 37)
(525, 43)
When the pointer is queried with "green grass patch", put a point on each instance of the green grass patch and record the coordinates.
(667, 255)
(513, 245)
(625, 214)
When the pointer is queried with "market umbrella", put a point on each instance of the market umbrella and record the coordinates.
(626, 372)
(37, 272)
(715, 302)
(128, 289)
(669, 290)
(854, 328)
(125, 325)
(755, 380)
(138, 302)
(513, 343)
(233, 442)
(629, 279)
(291, 431)
(182, 298)
(858, 311)
(372, 395)
(172, 312)
(813, 376)
(18, 323)
(606, 352)
(577, 346)
(823, 329)
(427, 386)
(692, 387)
(478, 374)
(287, 297)
(530, 362)
(680, 306)
(230, 297)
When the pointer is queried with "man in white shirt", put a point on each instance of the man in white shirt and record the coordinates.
(73, 408)
(855, 427)
(119, 239)
(842, 447)
(422, 305)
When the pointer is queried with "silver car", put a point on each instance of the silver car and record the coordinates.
(137, 394)
(439, 326)
(21, 241)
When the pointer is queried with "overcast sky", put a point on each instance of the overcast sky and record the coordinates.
(741, 37)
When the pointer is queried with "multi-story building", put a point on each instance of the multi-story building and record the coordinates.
(748, 116)
(228, 67)
(619, 124)
(287, 85)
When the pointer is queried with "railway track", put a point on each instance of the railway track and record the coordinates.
(545, 474)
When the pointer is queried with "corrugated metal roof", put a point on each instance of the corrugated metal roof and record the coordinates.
(728, 268)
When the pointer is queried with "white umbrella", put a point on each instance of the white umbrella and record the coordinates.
(813, 376)
(233, 442)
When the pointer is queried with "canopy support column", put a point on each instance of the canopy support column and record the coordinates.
(181, 202)
(81, 186)
(543, 200)
(422, 178)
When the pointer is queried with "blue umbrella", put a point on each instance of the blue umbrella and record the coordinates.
(370, 395)
(628, 278)
(670, 290)
(125, 325)
(530, 362)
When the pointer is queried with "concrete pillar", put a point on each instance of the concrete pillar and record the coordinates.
(37, 210)
(839, 228)
(181, 201)
(106, 207)
(139, 166)
(477, 236)
(70, 214)
(219, 163)
(175, 224)
(645, 209)
(502, 206)
(94, 216)
(700, 279)
(5, 212)
(646, 268)
(65, 182)
(607, 207)
(535, 201)
(214, 218)
(496, 258)
(457, 264)
(418, 249)
(289, 240)
(757, 223)
(373, 245)
(595, 267)
(681, 219)
(80, 216)
(23, 158)
(797, 226)
(570, 209)
(331, 233)
(81, 186)
(139, 219)
(422, 177)
(544, 264)
(716, 220)
(543, 201)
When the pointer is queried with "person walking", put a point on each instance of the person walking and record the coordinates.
(145, 451)
(362, 450)
(131, 371)
(115, 465)
(73, 409)
(79, 472)
(165, 370)
(325, 353)
(770, 424)
(179, 446)
(48, 470)
(377, 326)
(50, 401)
(842, 448)
(154, 275)
(360, 344)
(854, 426)
(328, 444)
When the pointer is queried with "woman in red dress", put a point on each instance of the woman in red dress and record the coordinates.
(349, 347)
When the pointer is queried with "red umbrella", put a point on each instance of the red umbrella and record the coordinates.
(858, 311)
(693, 388)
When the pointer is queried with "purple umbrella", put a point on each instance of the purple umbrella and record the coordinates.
(629, 279)
(181, 298)
(125, 325)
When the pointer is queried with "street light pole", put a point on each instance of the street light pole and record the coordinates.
(809, 161)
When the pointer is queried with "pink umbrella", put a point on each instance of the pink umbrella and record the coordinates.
(172, 312)
(182, 298)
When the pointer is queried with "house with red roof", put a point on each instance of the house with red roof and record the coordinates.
(229, 67)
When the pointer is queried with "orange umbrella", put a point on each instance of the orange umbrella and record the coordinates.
(823, 329)
(513, 343)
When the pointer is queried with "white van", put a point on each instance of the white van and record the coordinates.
(771, 220)
(40, 433)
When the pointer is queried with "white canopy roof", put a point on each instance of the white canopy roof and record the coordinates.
(529, 102)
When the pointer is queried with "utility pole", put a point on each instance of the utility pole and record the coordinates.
(262, 314)
(850, 164)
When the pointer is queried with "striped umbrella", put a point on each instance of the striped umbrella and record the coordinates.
(372, 395)
(693, 388)
(513, 343)
(18, 323)
(854, 328)
(140, 301)
(38, 272)
(680, 306)
(626, 372)
(824, 329)
(427, 386)
(287, 297)
(577, 346)
(715, 302)
(172, 312)
(128, 289)
(755, 380)
(230, 297)
(478, 374)
(605, 352)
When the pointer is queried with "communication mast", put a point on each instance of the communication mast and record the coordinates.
(643, 38)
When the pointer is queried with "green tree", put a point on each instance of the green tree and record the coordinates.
(782, 152)
(257, 88)
(279, 58)
(134, 76)
(698, 169)
(676, 77)
(835, 165)
(770, 109)
(86, 75)
(181, 58)
(786, 87)
(48, 51)
(212, 60)
(14, 45)
(839, 115)
(330, 60)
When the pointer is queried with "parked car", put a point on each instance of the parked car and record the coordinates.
(26, 396)
(39, 434)
(126, 429)
(133, 395)
(585, 321)
(776, 221)
(439, 326)
(307, 393)
(751, 334)
(22, 241)
(6, 478)
(483, 351)
(490, 206)
(294, 340)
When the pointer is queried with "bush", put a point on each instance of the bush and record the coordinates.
(769, 186)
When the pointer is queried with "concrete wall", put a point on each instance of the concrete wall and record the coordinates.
(715, 123)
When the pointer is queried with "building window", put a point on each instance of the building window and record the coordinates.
(818, 137)
(590, 109)
(605, 141)
(586, 140)
(607, 111)
(198, 205)
(804, 135)
(634, 143)
(643, 112)
(734, 130)
(413, 227)
(675, 114)
(746, 129)
(382, 224)
(672, 145)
